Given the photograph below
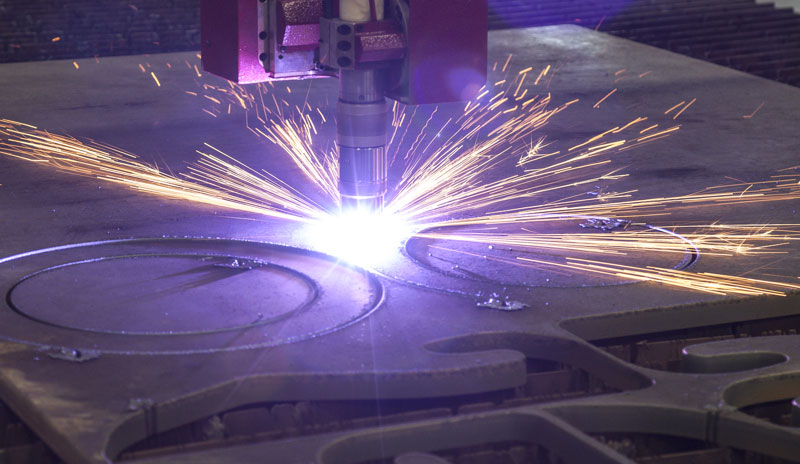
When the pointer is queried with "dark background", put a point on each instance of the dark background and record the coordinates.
(751, 37)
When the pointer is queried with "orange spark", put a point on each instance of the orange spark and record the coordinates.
(597, 105)
(684, 108)
(542, 74)
(674, 107)
(508, 60)
(748, 116)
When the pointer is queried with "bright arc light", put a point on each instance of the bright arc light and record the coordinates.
(362, 239)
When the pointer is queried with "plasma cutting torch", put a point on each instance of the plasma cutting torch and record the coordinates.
(412, 51)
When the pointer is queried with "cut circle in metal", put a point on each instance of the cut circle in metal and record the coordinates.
(177, 296)
(164, 294)
(445, 251)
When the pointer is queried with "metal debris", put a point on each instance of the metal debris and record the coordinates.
(136, 404)
(502, 304)
(242, 264)
(214, 429)
(73, 355)
(605, 223)
(601, 193)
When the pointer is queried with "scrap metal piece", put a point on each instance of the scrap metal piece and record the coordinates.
(502, 304)
(74, 355)
(605, 223)
(243, 264)
(136, 404)
(214, 429)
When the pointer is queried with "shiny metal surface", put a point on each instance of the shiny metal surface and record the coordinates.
(361, 123)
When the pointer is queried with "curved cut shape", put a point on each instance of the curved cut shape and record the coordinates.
(150, 418)
(740, 354)
(561, 439)
(729, 362)
(419, 458)
(576, 353)
(724, 428)
(763, 389)
(634, 418)
(163, 294)
(179, 296)
(469, 253)
(756, 435)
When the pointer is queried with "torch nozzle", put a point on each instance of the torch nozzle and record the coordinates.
(362, 205)
(362, 179)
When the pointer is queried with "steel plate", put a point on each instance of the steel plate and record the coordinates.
(179, 295)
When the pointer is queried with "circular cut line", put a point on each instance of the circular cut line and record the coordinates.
(338, 307)
(312, 286)
(690, 257)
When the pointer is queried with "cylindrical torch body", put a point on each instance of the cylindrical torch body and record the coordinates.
(361, 119)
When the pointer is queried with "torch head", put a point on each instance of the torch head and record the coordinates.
(420, 52)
